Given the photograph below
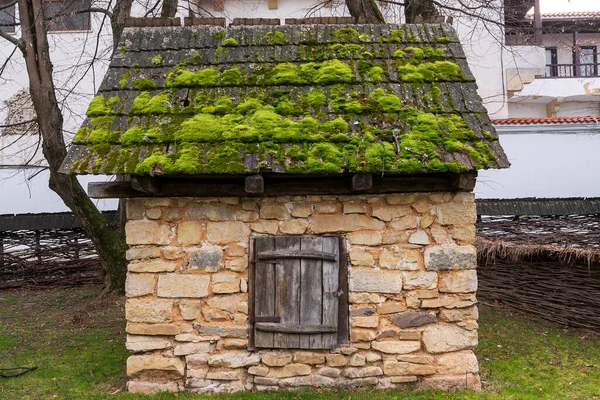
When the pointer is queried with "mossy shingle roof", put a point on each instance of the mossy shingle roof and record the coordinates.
(308, 99)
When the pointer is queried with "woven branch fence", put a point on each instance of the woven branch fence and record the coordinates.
(47, 258)
(559, 284)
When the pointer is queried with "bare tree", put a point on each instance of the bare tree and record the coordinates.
(365, 11)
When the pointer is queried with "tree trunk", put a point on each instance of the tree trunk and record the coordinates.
(365, 11)
(109, 244)
(420, 11)
(169, 8)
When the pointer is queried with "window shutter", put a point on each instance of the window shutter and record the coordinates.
(296, 292)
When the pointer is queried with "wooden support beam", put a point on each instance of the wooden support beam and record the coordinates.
(254, 184)
(283, 185)
(362, 181)
(145, 184)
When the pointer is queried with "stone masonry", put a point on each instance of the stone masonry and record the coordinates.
(412, 281)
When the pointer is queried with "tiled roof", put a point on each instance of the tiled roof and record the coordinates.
(550, 120)
(309, 99)
(572, 14)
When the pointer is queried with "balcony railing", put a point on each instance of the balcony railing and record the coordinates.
(571, 70)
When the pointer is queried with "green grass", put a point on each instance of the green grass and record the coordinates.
(77, 343)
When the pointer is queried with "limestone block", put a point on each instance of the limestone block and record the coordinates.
(139, 284)
(440, 197)
(225, 282)
(267, 227)
(258, 371)
(451, 382)
(233, 360)
(422, 206)
(413, 319)
(357, 382)
(191, 348)
(397, 346)
(139, 343)
(464, 233)
(364, 298)
(157, 202)
(235, 343)
(400, 198)
(148, 310)
(327, 208)
(416, 358)
(246, 216)
(223, 375)
(458, 281)
(450, 301)
(190, 232)
(293, 227)
(354, 207)
(372, 357)
(376, 281)
(238, 264)
(211, 211)
(227, 232)
(357, 360)
(153, 329)
(329, 372)
(387, 213)
(190, 309)
(276, 358)
(447, 338)
(229, 303)
(147, 232)
(365, 322)
(146, 363)
(426, 220)
(390, 307)
(302, 210)
(401, 259)
(290, 370)
(210, 314)
(190, 337)
(274, 211)
(197, 360)
(362, 312)
(196, 373)
(360, 257)
(461, 362)
(171, 253)
(324, 223)
(421, 369)
(448, 257)
(362, 335)
(179, 286)
(456, 213)
(222, 331)
(365, 238)
(403, 379)
(152, 266)
(363, 372)
(309, 357)
(310, 381)
(206, 259)
(249, 205)
(259, 380)
(139, 253)
(420, 237)
(455, 315)
(439, 235)
(142, 387)
(419, 280)
(336, 360)
(405, 223)
(395, 368)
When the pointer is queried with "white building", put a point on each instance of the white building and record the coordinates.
(510, 78)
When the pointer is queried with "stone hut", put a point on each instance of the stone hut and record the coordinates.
(299, 209)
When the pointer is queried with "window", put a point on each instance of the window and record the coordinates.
(64, 16)
(551, 62)
(588, 65)
(7, 16)
(298, 293)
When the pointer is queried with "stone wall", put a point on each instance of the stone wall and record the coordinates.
(412, 281)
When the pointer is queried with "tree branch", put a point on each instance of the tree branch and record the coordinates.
(14, 40)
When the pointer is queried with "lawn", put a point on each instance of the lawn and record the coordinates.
(77, 344)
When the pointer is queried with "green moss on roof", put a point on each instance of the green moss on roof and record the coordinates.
(342, 99)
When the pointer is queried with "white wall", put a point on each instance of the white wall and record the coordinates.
(545, 165)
